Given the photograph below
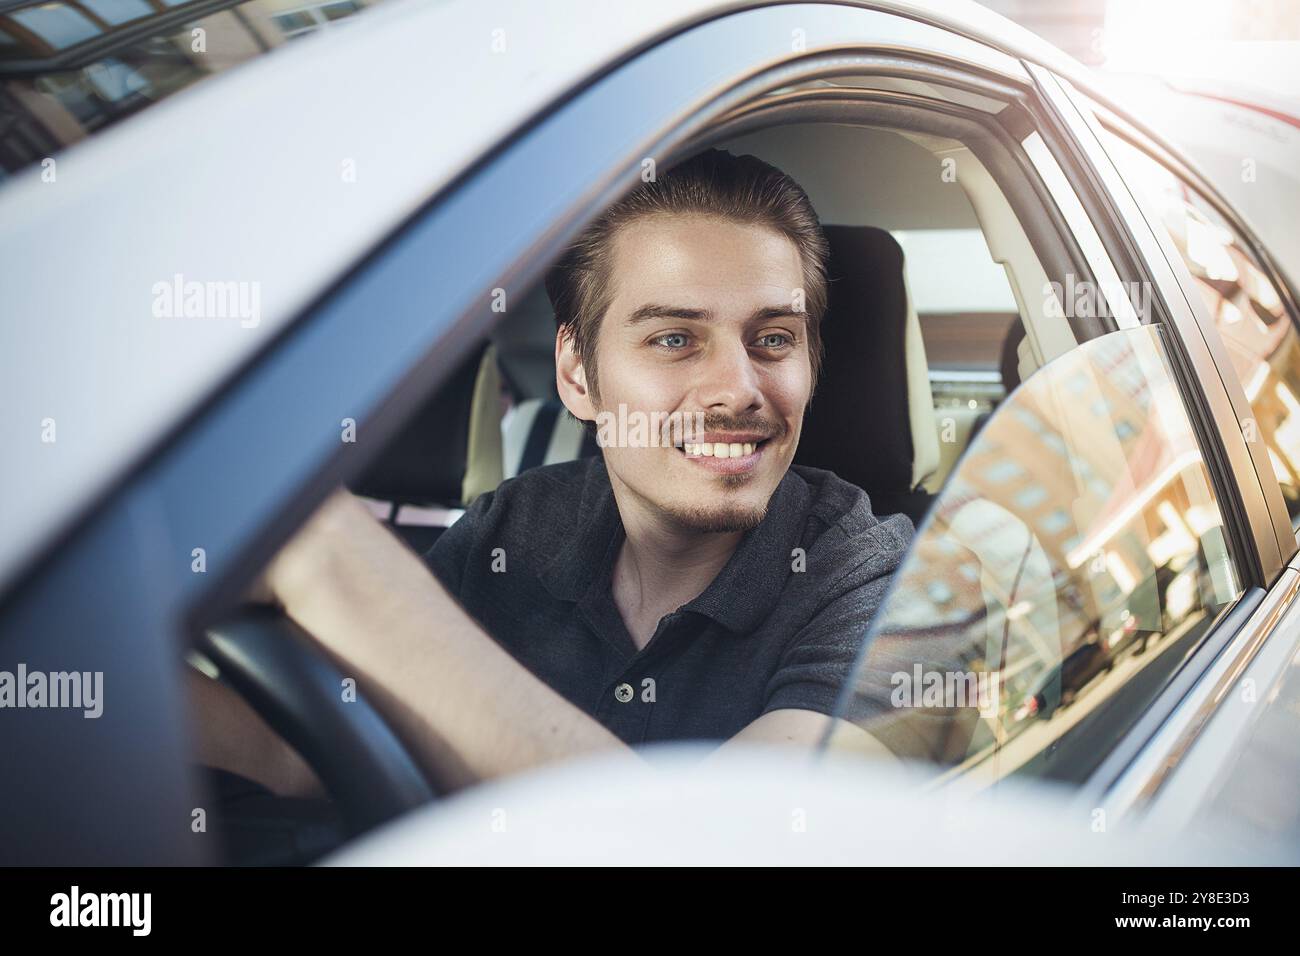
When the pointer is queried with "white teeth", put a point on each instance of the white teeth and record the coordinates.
(720, 449)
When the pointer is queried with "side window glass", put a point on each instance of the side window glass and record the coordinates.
(1075, 559)
(1259, 335)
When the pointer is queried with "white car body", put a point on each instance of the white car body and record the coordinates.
(409, 99)
(1243, 139)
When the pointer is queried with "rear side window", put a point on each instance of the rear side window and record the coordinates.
(1249, 313)
(1074, 560)
(970, 324)
(964, 302)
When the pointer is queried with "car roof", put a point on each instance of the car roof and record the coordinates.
(240, 179)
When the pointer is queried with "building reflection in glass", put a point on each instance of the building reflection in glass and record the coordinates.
(1073, 561)
(71, 67)
(1260, 336)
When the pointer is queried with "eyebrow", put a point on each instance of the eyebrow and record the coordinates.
(648, 312)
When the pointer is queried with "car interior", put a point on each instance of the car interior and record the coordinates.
(936, 312)
(901, 332)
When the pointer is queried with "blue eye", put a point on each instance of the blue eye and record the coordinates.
(673, 340)
(775, 340)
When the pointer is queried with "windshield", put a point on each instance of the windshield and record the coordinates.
(72, 67)
(1073, 561)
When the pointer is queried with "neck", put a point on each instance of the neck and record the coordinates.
(668, 560)
(662, 565)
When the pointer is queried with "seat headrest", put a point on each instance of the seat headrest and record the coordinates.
(425, 463)
(872, 418)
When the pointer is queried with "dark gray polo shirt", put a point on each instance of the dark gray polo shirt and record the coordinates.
(762, 636)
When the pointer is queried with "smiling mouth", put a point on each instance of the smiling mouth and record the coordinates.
(718, 449)
(725, 458)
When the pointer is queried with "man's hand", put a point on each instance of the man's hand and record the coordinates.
(304, 564)
(293, 569)
(348, 581)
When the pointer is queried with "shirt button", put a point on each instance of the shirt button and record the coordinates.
(623, 693)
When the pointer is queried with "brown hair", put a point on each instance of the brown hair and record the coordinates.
(717, 183)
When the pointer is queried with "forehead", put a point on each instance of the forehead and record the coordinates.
(701, 261)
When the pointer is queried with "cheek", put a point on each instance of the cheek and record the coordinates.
(788, 388)
(641, 384)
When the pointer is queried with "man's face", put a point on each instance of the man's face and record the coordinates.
(702, 320)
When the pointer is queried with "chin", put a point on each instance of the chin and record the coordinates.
(719, 519)
(728, 504)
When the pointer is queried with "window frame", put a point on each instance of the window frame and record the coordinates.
(1158, 748)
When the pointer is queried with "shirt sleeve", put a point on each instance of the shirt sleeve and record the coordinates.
(819, 660)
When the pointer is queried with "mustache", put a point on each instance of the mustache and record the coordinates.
(745, 423)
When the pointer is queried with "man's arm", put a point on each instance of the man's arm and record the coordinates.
(231, 736)
(807, 729)
(467, 709)
(821, 659)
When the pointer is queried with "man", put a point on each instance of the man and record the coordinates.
(701, 590)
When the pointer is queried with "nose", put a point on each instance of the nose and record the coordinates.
(729, 382)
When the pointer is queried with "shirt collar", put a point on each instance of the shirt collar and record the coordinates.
(745, 591)
(581, 555)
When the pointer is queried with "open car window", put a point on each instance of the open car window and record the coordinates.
(1074, 560)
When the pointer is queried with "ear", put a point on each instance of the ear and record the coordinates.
(571, 379)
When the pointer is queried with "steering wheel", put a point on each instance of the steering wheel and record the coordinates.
(274, 665)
